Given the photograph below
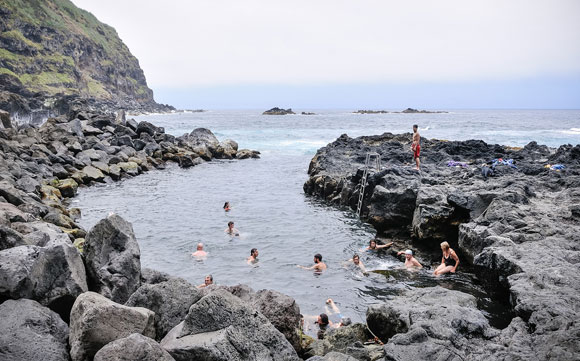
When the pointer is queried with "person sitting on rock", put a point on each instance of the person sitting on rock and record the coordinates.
(358, 263)
(231, 230)
(449, 261)
(410, 261)
(373, 246)
(199, 253)
(227, 207)
(318, 266)
(208, 281)
(253, 256)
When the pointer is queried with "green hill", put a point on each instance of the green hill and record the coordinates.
(55, 48)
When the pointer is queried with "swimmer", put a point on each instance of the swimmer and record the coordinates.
(253, 256)
(373, 246)
(357, 262)
(319, 266)
(449, 261)
(332, 311)
(208, 281)
(323, 324)
(200, 253)
(227, 207)
(231, 230)
(410, 261)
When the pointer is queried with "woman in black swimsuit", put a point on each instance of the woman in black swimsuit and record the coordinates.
(449, 261)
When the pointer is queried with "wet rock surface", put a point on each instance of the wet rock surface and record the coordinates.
(518, 227)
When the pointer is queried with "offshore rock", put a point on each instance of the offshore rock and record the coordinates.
(220, 326)
(278, 111)
(170, 300)
(30, 331)
(134, 347)
(112, 257)
(95, 321)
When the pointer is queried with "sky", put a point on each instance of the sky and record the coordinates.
(316, 54)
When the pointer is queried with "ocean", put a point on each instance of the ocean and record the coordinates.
(174, 209)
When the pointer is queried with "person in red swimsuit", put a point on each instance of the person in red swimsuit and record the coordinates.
(416, 146)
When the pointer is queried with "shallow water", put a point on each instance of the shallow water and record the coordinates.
(172, 210)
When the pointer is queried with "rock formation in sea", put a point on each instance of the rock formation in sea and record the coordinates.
(519, 228)
(54, 56)
(278, 111)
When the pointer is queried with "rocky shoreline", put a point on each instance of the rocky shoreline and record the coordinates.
(520, 229)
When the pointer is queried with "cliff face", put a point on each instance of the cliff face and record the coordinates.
(52, 48)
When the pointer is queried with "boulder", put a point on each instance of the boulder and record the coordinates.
(278, 111)
(112, 257)
(30, 332)
(345, 339)
(95, 321)
(201, 137)
(170, 300)
(146, 127)
(9, 213)
(5, 119)
(92, 174)
(134, 347)
(130, 168)
(228, 149)
(247, 153)
(221, 326)
(54, 275)
(67, 187)
(10, 238)
(151, 276)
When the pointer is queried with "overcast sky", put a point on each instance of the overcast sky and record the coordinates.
(333, 53)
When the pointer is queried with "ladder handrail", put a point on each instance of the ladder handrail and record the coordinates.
(363, 182)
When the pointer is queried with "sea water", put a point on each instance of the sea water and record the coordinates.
(174, 209)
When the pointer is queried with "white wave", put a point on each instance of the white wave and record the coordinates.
(573, 131)
(426, 128)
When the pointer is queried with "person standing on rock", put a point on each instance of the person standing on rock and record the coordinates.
(253, 256)
(231, 230)
(416, 146)
(208, 281)
(449, 261)
(319, 266)
(410, 261)
(199, 253)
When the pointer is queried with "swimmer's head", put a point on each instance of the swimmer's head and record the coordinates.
(372, 244)
(254, 252)
(322, 320)
(230, 224)
(226, 205)
(408, 254)
(200, 246)
(444, 246)
(356, 259)
(208, 280)
(317, 258)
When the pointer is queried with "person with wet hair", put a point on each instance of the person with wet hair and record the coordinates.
(227, 207)
(449, 261)
(319, 266)
(199, 253)
(208, 281)
(373, 246)
(358, 263)
(323, 324)
(231, 230)
(253, 256)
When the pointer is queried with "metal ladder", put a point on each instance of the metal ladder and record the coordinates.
(363, 181)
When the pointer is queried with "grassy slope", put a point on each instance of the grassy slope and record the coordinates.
(42, 68)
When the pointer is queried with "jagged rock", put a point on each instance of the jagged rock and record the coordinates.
(126, 141)
(30, 332)
(170, 300)
(131, 168)
(67, 187)
(112, 258)
(278, 111)
(146, 127)
(246, 153)
(38, 233)
(9, 213)
(92, 174)
(344, 339)
(221, 326)
(54, 275)
(228, 148)
(151, 276)
(95, 321)
(200, 138)
(134, 347)
(10, 238)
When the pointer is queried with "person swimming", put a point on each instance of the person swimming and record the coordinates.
(231, 230)
(208, 281)
(318, 266)
(253, 256)
(199, 253)
(373, 246)
(358, 263)
(410, 261)
(449, 261)
(227, 207)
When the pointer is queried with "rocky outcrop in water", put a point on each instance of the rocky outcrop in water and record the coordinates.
(520, 228)
(278, 111)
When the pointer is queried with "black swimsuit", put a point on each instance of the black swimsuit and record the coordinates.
(449, 261)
